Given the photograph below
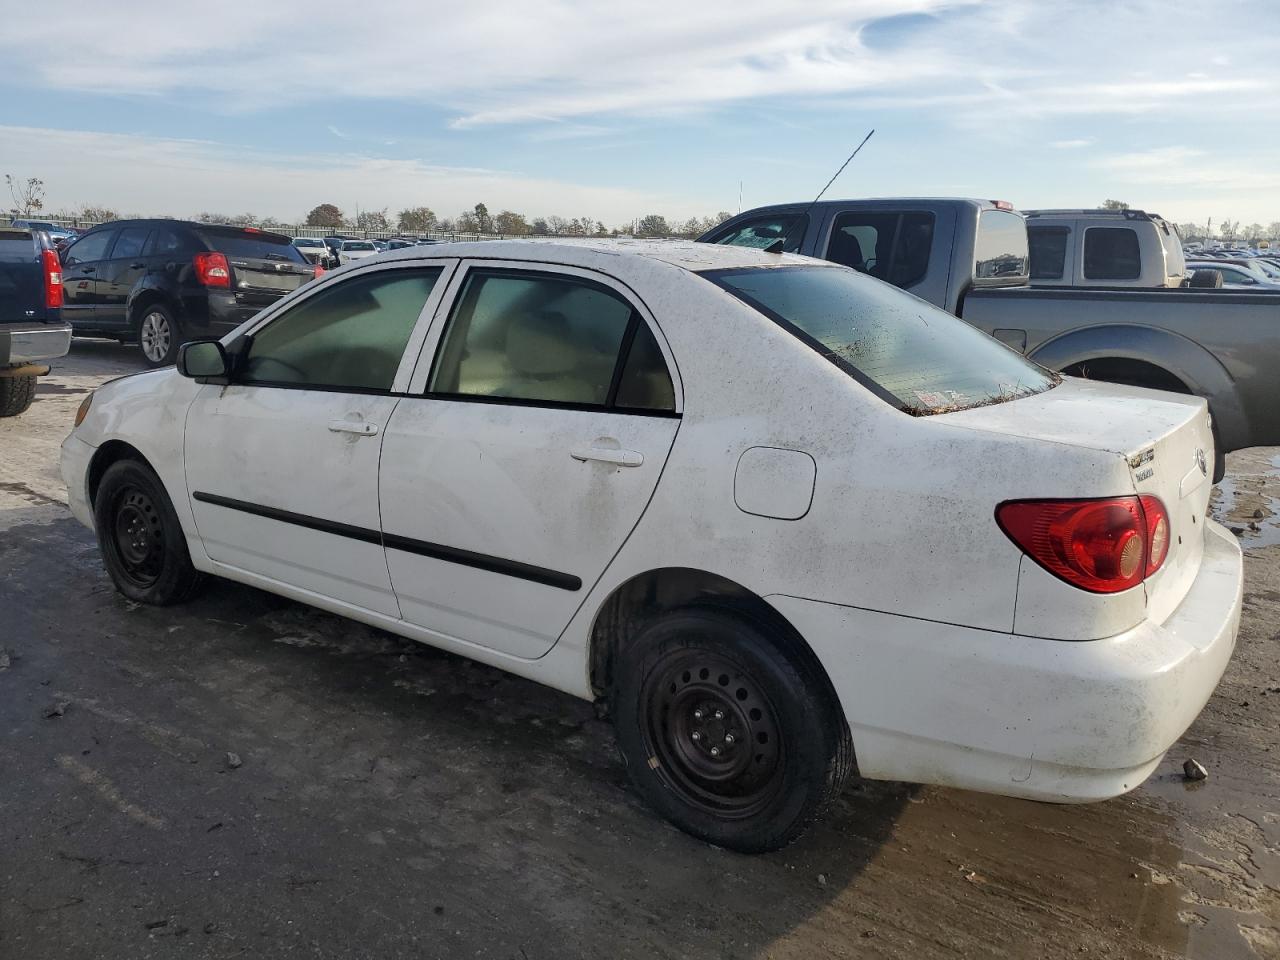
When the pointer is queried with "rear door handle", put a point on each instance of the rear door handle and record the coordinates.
(622, 458)
(361, 428)
(137, 266)
(86, 269)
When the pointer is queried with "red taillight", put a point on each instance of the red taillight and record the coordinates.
(1103, 546)
(52, 279)
(319, 271)
(1002, 204)
(212, 269)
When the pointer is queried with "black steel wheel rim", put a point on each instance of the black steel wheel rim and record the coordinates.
(138, 537)
(712, 734)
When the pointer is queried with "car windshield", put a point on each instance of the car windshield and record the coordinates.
(906, 351)
(358, 245)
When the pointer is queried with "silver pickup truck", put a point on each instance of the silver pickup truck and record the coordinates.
(31, 330)
(971, 257)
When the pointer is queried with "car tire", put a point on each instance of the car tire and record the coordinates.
(143, 546)
(158, 335)
(724, 734)
(16, 395)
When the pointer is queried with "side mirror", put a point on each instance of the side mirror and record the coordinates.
(202, 358)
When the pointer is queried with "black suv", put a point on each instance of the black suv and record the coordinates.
(160, 283)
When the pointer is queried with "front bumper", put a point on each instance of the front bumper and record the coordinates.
(22, 343)
(74, 465)
(1056, 720)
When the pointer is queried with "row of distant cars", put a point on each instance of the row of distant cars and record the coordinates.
(1239, 268)
(334, 251)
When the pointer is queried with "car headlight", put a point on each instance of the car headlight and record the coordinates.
(83, 412)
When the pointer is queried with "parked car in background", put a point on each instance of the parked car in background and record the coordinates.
(1104, 248)
(353, 250)
(315, 250)
(334, 243)
(971, 257)
(55, 232)
(1237, 273)
(774, 514)
(399, 243)
(32, 331)
(379, 245)
(159, 283)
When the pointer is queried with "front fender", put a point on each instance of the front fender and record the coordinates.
(1187, 360)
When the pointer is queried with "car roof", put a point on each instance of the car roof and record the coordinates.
(592, 252)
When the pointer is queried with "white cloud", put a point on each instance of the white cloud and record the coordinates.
(1072, 144)
(1189, 183)
(185, 177)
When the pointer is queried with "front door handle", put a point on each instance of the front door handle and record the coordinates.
(137, 266)
(86, 269)
(361, 428)
(622, 458)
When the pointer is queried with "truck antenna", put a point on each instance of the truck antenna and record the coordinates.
(776, 246)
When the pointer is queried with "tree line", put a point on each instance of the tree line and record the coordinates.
(421, 220)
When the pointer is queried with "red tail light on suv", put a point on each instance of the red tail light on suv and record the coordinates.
(212, 269)
(52, 279)
(1103, 546)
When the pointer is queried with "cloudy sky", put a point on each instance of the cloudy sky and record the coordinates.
(616, 110)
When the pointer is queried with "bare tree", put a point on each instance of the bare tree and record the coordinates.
(28, 195)
(556, 226)
(416, 220)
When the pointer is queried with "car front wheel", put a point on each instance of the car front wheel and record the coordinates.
(726, 736)
(143, 546)
(158, 336)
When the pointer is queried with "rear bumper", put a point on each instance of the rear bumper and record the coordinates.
(1044, 719)
(22, 343)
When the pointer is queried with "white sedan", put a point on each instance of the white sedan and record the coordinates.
(353, 250)
(784, 520)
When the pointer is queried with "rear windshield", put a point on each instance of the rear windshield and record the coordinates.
(906, 351)
(260, 246)
(17, 249)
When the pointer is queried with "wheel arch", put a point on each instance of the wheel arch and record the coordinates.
(644, 596)
(1149, 348)
(111, 452)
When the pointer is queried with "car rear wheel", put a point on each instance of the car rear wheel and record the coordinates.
(158, 336)
(726, 736)
(143, 546)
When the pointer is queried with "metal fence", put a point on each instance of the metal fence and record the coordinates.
(303, 230)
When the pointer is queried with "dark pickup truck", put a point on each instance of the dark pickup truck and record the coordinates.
(31, 329)
(971, 257)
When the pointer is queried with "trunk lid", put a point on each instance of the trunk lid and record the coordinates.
(1165, 439)
(264, 266)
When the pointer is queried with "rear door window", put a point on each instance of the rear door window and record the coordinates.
(763, 232)
(167, 241)
(89, 248)
(130, 242)
(544, 338)
(893, 247)
(1112, 253)
(1048, 251)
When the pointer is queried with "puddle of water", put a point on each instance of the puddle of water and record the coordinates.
(1243, 503)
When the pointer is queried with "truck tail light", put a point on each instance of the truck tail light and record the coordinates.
(52, 279)
(1103, 546)
(319, 272)
(212, 269)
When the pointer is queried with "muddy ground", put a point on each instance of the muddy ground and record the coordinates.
(246, 777)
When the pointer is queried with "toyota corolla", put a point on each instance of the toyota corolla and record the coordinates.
(784, 521)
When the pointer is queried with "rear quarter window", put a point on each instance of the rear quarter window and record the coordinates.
(17, 249)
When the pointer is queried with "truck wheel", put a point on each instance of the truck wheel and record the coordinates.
(143, 546)
(16, 395)
(724, 735)
(158, 336)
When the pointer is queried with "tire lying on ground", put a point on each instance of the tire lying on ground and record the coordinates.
(16, 395)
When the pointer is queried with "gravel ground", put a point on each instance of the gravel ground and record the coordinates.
(247, 777)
